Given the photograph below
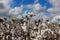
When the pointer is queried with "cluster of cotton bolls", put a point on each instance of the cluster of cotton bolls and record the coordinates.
(23, 29)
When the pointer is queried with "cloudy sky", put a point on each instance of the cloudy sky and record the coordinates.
(16, 8)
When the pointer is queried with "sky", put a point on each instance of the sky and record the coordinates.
(26, 2)
(19, 8)
(17, 3)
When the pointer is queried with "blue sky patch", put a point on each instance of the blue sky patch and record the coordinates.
(25, 2)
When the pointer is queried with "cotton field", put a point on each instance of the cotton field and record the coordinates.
(23, 29)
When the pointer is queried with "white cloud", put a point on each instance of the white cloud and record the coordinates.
(6, 10)
(4, 7)
(55, 10)
(37, 8)
(6, 3)
(55, 3)
(1, 6)
(16, 11)
(56, 6)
